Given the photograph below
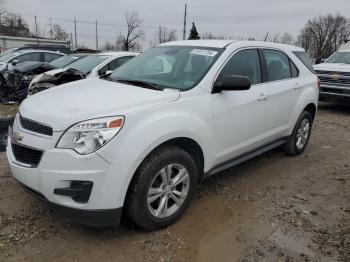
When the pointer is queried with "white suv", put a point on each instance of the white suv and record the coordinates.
(140, 141)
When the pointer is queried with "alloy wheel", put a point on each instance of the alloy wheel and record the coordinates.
(168, 190)
(303, 134)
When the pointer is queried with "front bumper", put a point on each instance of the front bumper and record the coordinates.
(91, 218)
(334, 93)
(59, 169)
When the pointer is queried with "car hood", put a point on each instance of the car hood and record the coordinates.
(65, 105)
(333, 67)
(49, 75)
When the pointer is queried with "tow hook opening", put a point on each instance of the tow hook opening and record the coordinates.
(79, 191)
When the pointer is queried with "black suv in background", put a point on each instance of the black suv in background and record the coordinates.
(56, 48)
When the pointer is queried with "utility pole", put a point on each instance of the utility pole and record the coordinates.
(75, 33)
(96, 37)
(71, 41)
(36, 30)
(51, 28)
(160, 35)
(185, 18)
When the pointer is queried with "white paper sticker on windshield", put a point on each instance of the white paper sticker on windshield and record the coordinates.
(203, 52)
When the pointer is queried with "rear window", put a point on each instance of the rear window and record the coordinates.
(305, 59)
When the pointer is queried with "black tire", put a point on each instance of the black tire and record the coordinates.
(3, 89)
(291, 147)
(137, 206)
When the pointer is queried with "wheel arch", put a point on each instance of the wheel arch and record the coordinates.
(311, 108)
(187, 144)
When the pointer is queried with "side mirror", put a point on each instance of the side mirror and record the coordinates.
(14, 62)
(232, 83)
(106, 74)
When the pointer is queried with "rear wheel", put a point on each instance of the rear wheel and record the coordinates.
(299, 139)
(162, 189)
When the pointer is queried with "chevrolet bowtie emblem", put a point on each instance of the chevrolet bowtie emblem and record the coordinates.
(335, 77)
(16, 137)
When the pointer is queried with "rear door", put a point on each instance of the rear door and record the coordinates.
(282, 89)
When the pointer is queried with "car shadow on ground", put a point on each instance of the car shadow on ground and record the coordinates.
(335, 107)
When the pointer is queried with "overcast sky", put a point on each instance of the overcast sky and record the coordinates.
(229, 18)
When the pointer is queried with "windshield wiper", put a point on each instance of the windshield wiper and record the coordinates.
(141, 83)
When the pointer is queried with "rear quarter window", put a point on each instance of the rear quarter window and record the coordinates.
(305, 59)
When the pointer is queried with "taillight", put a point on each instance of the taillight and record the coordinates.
(318, 83)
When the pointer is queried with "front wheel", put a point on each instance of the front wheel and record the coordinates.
(299, 139)
(162, 188)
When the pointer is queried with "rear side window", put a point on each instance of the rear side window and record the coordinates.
(305, 59)
(278, 65)
(293, 69)
(244, 63)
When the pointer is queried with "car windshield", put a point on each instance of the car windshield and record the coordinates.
(86, 64)
(340, 58)
(64, 61)
(9, 55)
(178, 67)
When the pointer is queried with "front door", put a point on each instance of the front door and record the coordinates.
(238, 115)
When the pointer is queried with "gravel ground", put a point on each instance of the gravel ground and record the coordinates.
(272, 208)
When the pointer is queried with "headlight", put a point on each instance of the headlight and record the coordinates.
(27, 78)
(88, 136)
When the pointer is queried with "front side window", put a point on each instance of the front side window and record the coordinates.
(278, 66)
(111, 66)
(178, 67)
(244, 63)
(28, 57)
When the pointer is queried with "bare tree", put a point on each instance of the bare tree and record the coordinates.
(108, 46)
(165, 34)
(305, 39)
(211, 36)
(13, 24)
(134, 33)
(323, 35)
(2, 8)
(59, 33)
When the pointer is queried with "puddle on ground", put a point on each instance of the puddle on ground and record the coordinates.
(229, 241)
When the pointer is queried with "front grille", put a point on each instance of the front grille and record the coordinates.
(341, 79)
(35, 126)
(26, 155)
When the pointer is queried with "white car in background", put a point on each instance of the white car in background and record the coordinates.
(93, 65)
(140, 140)
(334, 75)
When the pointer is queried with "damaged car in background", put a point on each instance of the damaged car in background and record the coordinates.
(10, 60)
(94, 65)
(18, 78)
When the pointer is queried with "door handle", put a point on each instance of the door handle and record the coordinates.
(262, 97)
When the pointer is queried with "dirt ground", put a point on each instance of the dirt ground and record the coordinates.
(8, 110)
(272, 208)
